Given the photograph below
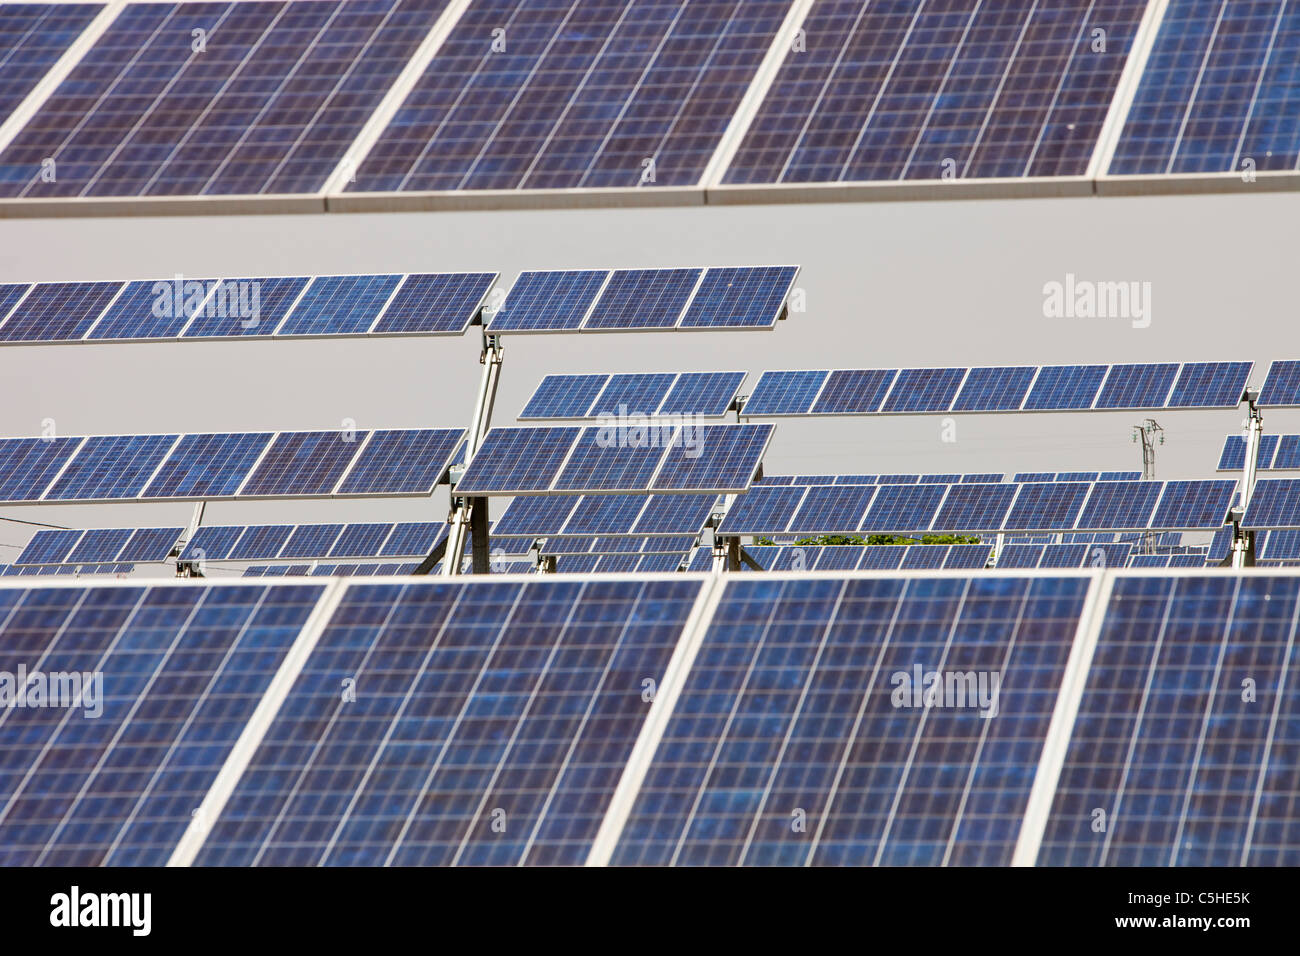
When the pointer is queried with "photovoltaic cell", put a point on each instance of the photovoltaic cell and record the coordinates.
(1120, 504)
(1210, 385)
(1282, 385)
(924, 390)
(605, 514)
(1137, 386)
(518, 459)
(853, 391)
(903, 508)
(49, 547)
(1194, 504)
(208, 465)
(714, 458)
(635, 393)
(535, 515)
(436, 303)
(881, 557)
(111, 466)
(1287, 456)
(997, 389)
(212, 543)
(789, 705)
(57, 310)
(183, 670)
(32, 38)
(564, 396)
(785, 393)
(1049, 506)
(413, 538)
(831, 509)
(1233, 457)
(99, 545)
(549, 301)
(28, 465)
(675, 514)
(340, 305)
(361, 540)
(709, 394)
(600, 465)
(967, 556)
(311, 540)
(152, 309)
(251, 307)
(259, 542)
(643, 299)
(748, 297)
(303, 463)
(975, 507)
(1064, 556)
(1275, 503)
(541, 731)
(1284, 544)
(402, 461)
(1020, 556)
(1065, 387)
(1188, 769)
(763, 510)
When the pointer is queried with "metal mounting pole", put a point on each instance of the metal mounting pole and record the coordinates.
(1243, 542)
(462, 518)
(1146, 431)
(185, 569)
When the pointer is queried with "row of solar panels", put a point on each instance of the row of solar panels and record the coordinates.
(945, 478)
(916, 557)
(207, 466)
(392, 304)
(1032, 506)
(709, 394)
(553, 515)
(1276, 453)
(638, 94)
(565, 752)
(328, 570)
(73, 569)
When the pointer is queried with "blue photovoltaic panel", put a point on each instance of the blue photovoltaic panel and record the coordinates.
(49, 547)
(1035, 476)
(259, 542)
(212, 543)
(1275, 503)
(855, 479)
(923, 557)
(881, 557)
(1137, 386)
(1064, 556)
(597, 464)
(982, 478)
(518, 459)
(899, 479)
(208, 465)
(1019, 556)
(33, 36)
(581, 96)
(243, 307)
(605, 514)
(924, 390)
(1215, 94)
(10, 294)
(152, 310)
(577, 563)
(413, 538)
(1189, 770)
(1111, 555)
(790, 704)
(643, 299)
(111, 466)
(940, 479)
(975, 507)
(534, 515)
(57, 311)
(1149, 561)
(903, 508)
(183, 670)
(1210, 385)
(1065, 387)
(1282, 385)
(967, 556)
(564, 396)
(658, 563)
(1186, 560)
(1283, 545)
(1233, 457)
(749, 297)
(838, 558)
(1287, 456)
(1120, 504)
(832, 509)
(436, 303)
(303, 463)
(1048, 506)
(1194, 504)
(701, 560)
(402, 461)
(785, 393)
(28, 465)
(311, 540)
(636, 393)
(271, 105)
(150, 544)
(549, 301)
(487, 695)
(675, 514)
(361, 540)
(763, 510)
(1077, 476)
(914, 91)
(998, 389)
(340, 305)
(99, 545)
(702, 393)
(713, 458)
(853, 391)
(618, 563)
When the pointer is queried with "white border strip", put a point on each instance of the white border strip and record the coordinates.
(1126, 89)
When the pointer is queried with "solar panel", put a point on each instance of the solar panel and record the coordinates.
(1287, 456)
(1046, 506)
(917, 92)
(637, 393)
(311, 540)
(1064, 556)
(1191, 505)
(247, 306)
(763, 510)
(150, 310)
(1137, 386)
(830, 509)
(1283, 545)
(340, 305)
(413, 539)
(852, 391)
(534, 515)
(903, 508)
(643, 299)
(11, 293)
(111, 467)
(1210, 385)
(402, 461)
(33, 36)
(709, 394)
(1120, 476)
(722, 458)
(837, 558)
(259, 542)
(57, 310)
(1189, 769)
(599, 463)
(549, 301)
(1213, 91)
(182, 670)
(855, 479)
(1275, 503)
(271, 105)
(747, 297)
(99, 545)
(658, 563)
(208, 465)
(1020, 556)
(967, 556)
(923, 556)
(998, 389)
(150, 544)
(518, 460)
(975, 507)
(1064, 387)
(213, 543)
(49, 547)
(564, 396)
(361, 540)
(1035, 476)
(793, 703)
(1120, 504)
(881, 557)
(442, 303)
(785, 393)
(675, 514)
(1282, 385)
(303, 463)
(924, 390)
(1233, 457)
(580, 97)
(604, 514)
(982, 478)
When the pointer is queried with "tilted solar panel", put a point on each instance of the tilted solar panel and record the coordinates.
(1275, 503)
(303, 463)
(903, 508)
(597, 463)
(1287, 456)
(436, 303)
(1233, 457)
(99, 545)
(1137, 386)
(564, 396)
(997, 389)
(549, 301)
(1281, 385)
(150, 544)
(1020, 556)
(722, 458)
(1210, 385)
(1120, 504)
(1194, 505)
(1063, 387)
(518, 459)
(340, 305)
(152, 309)
(111, 467)
(632, 393)
(924, 390)
(643, 299)
(746, 297)
(413, 539)
(402, 461)
(33, 36)
(259, 542)
(675, 514)
(54, 311)
(361, 540)
(709, 394)
(763, 510)
(785, 393)
(50, 546)
(831, 509)
(604, 514)
(208, 465)
(1046, 506)
(213, 543)
(311, 540)
(534, 515)
(242, 307)
(975, 507)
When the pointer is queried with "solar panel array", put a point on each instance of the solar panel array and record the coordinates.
(404, 539)
(607, 515)
(1276, 453)
(707, 394)
(185, 309)
(33, 36)
(207, 466)
(100, 546)
(998, 389)
(603, 300)
(27, 570)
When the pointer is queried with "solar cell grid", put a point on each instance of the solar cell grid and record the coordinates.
(702, 393)
(243, 307)
(564, 396)
(853, 391)
(903, 508)
(99, 545)
(28, 465)
(975, 507)
(413, 538)
(534, 515)
(1210, 385)
(340, 305)
(49, 547)
(436, 303)
(361, 540)
(633, 393)
(996, 389)
(597, 463)
(829, 509)
(32, 38)
(643, 299)
(604, 514)
(212, 543)
(208, 465)
(518, 459)
(1281, 385)
(1275, 503)
(713, 458)
(152, 309)
(1120, 504)
(1063, 387)
(1020, 556)
(1194, 504)
(675, 514)
(150, 544)
(54, 311)
(1287, 455)
(785, 393)
(924, 390)
(111, 467)
(1137, 386)
(881, 557)
(402, 461)
(763, 510)
(549, 301)
(742, 297)
(303, 463)
(311, 540)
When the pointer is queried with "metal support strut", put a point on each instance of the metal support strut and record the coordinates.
(470, 515)
(1243, 542)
